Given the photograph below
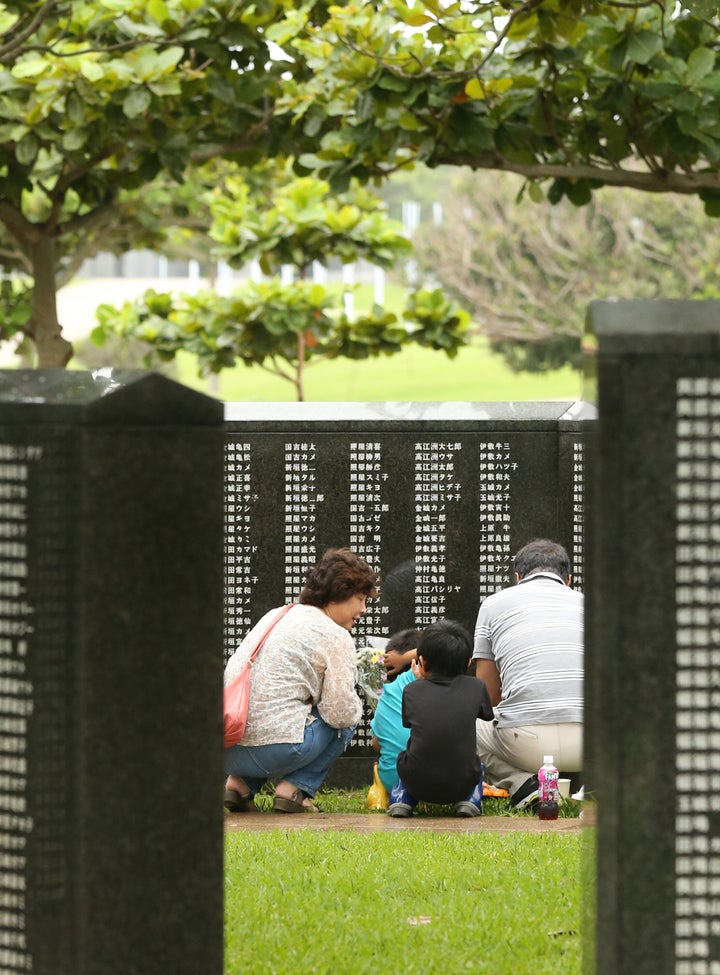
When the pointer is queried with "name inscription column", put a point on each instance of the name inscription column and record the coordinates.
(239, 550)
(697, 736)
(302, 504)
(437, 492)
(578, 516)
(16, 703)
(369, 507)
(495, 556)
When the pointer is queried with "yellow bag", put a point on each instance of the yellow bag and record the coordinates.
(377, 797)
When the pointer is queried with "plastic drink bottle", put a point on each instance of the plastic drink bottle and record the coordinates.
(548, 791)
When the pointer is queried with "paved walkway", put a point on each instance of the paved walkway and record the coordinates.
(381, 823)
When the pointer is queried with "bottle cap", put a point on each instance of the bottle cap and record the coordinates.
(547, 760)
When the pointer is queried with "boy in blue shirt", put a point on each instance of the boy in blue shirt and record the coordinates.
(389, 734)
(440, 763)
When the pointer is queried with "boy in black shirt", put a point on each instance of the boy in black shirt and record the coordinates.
(440, 763)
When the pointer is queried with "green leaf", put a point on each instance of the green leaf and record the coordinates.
(418, 20)
(498, 85)
(558, 189)
(312, 125)
(30, 67)
(712, 207)
(168, 58)
(535, 192)
(474, 88)
(98, 335)
(91, 70)
(522, 25)
(700, 63)
(391, 82)
(27, 149)
(74, 108)
(702, 8)
(158, 11)
(74, 139)
(579, 192)
(136, 102)
(644, 45)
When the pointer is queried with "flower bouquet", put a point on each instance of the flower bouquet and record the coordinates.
(371, 674)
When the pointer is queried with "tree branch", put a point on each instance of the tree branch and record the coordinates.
(660, 181)
(21, 230)
(19, 35)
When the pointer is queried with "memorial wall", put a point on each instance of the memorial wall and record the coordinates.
(437, 496)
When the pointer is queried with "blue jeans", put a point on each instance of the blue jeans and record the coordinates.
(303, 764)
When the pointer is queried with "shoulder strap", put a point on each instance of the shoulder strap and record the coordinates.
(266, 634)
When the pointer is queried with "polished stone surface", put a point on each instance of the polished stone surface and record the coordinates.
(652, 629)
(111, 542)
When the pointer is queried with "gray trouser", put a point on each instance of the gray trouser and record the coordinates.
(512, 755)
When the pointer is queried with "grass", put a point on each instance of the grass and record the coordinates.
(415, 902)
(353, 801)
(415, 374)
(411, 902)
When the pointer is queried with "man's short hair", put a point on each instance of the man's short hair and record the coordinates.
(446, 648)
(542, 555)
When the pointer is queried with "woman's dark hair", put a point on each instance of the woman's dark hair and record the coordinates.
(338, 575)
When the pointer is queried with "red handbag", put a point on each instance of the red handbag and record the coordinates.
(236, 695)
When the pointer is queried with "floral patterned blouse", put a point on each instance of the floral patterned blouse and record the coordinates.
(307, 661)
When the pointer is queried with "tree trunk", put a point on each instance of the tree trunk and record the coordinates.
(300, 366)
(53, 351)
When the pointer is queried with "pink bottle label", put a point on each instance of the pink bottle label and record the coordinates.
(548, 782)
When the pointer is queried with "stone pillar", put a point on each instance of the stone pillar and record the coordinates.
(111, 605)
(653, 638)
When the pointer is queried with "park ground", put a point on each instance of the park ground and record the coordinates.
(380, 823)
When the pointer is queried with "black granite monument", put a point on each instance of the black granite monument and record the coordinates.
(652, 739)
(437, 496)
(111, 571)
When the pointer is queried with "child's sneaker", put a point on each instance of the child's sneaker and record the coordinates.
(472, 805)
(401, 803)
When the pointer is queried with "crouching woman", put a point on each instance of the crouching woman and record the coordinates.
(303, 704)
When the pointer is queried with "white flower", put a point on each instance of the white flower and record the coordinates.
(371, 674)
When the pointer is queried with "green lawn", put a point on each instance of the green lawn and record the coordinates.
(417, 903)
(415, 374)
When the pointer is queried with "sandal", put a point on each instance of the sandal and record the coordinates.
(293, 804)
(238, 802)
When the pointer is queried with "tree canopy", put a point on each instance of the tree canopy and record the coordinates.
(280, 220)
(98, 98)
(276, 218)
(579, 93)
(101, 97)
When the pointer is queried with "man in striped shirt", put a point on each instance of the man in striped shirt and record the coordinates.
(529, 651)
